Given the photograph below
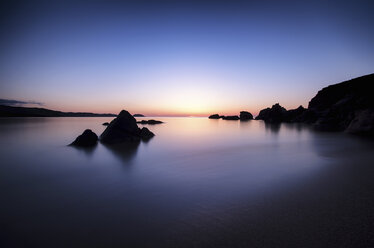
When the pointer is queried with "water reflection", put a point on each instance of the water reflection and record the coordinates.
(125, 152)
(88, 151)
(209, 181)
(273, 127)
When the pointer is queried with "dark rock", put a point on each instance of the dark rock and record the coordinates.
(245, 115)
(106, 124)
(122, 129)
(231, 117)
(275, 114)
(362, 123)
(295, 115)
(338, 106)
(215, 116)
(308, 116)
(138, 115)
(150, 122)
(145, 134)
(86, 139)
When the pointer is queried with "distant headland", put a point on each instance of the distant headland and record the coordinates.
(10, 111)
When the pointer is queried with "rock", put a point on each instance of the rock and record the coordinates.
(244, 115)
(145, 134)
(106, 124)
(231, 117)
(86, 139)
(362, 123)
(122, 129)
(294, 115)
(215, 116)
(150, 122)
(275, 114)
(339, 105)
(138, 115)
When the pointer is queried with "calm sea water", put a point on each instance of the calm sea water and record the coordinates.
(197, 183)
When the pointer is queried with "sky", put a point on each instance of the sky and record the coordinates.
(180, 58)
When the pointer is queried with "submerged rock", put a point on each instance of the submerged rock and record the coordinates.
(86, 139)
(215, 116)
(245, 115)
(149, 122)
(231, 117)
(124, 129)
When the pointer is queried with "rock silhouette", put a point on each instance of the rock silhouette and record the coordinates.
(275, 114)
(138, 115)
(11, 111)
(346, 106)
(106, 124)
(149, 122)
(86, 139)
(124, 129)
(231, 117)
(215, 116)
(245, 115)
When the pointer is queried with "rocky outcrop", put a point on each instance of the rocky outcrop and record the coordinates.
(275, 114)
(124, 129)
(245, 115)
(231, 117)
(362, 123)
(215, 116)
(145, 134)
(149, 122)
(86, 139)
(295, 115)
(347, 106)
(278, 114)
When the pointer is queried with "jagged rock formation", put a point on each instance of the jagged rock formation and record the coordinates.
(346, 106)
(124, 129)
(275, 114)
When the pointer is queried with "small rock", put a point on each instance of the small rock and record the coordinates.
(150, 122)
(215, 116)
(231, 117)
(245, 115)
(86, 139)
(145, 134)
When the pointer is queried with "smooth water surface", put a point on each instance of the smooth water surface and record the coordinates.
(197, 183)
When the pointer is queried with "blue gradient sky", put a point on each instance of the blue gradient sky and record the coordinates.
(181, 58)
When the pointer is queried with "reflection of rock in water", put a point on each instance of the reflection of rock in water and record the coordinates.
(86, 150)
(124, 151)
(273, 127)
